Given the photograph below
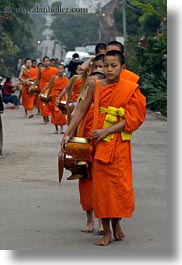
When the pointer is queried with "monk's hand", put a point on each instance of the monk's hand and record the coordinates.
(57, 102)
(99, 134)
(28, 82)
(64, 144)
(61, 155)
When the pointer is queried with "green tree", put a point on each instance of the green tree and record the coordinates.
(146, 49)
(16, 33)
(75, 29)
(132, 16)
(152, 54)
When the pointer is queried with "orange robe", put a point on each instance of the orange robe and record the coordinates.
(112, 189)
(76, 90)
(45, 77)
(27, 99)
(85, 185)
(126, 74)
(57, 117)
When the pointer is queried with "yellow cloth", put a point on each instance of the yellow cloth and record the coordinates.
(111, 119)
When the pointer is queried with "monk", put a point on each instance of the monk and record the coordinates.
(37, 101)
(98, 63)
(100, 49)
(27, 76)
(126, 74)
(119, 110)
(114, 45)
(85, 184)
(57, 84)
(45, 74)
(73, 90)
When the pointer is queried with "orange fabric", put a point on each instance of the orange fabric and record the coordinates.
(112, 189)
(76, 90)
(85, 190)
(45, 77)
(85, 185)
(27, 99)
(126, 74)
(57, 117)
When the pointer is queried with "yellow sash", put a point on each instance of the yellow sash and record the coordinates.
(111, 119)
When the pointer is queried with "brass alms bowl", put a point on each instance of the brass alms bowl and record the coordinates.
(80, 140)
(78, 168)
(78, 155)
(33, 89)
(79, 148)
(63, 106)
(44, 97)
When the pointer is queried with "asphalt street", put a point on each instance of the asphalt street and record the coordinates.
(44, 220)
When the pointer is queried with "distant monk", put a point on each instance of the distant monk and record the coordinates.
(45, 74)
(27, 75)
(73, 90)
(57, 83)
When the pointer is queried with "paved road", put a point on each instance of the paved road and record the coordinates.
(35, 214)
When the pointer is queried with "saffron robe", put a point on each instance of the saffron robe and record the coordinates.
(27, 99)
(74, 94)
(126, 74)
(85, 185)
(45, 77)
(112, 189)
(57, 117)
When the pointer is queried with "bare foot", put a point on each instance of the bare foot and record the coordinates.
(104, 241)
(101, 229)
(100, 232)
(31, 116)
(89, 227)
(117, 230)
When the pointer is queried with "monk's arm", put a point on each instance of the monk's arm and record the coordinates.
(67, 88)
(86, 64)
(80, 111)
(21, 78)
(102, 133)
(79, 114)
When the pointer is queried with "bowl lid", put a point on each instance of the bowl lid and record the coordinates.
(78, 140)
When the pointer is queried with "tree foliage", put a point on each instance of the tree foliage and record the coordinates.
(132, 16)
(16, 27)
(73, 30)
(146, 47)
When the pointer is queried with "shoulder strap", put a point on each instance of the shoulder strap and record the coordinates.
(26, 72)
(71, 90)
(96, 105)
(85, 76)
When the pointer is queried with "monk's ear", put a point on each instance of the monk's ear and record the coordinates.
(123, 66)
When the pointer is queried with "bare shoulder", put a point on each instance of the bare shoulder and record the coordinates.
(91, 81)
(103, 82)
(75, 77)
